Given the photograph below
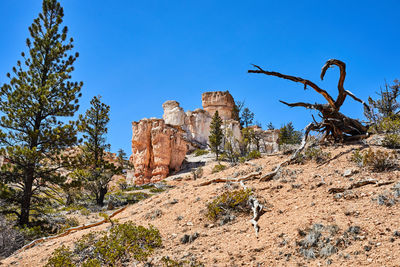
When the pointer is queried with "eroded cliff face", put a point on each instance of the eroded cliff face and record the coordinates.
(157, 149)
(221, 101)
(159, 146)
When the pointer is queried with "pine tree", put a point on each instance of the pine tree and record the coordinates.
(386, 106)
(39, 94)
(237, 108)
(96, 171)
(122, 158)
(288, 135)
(270, 126)
(247, 117)
(216, 134)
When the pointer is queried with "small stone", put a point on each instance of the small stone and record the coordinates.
(369, 260)
(348, 173)
(174, 201)
(396, 233)
(367, 248)
(189, 224)
(211, 226)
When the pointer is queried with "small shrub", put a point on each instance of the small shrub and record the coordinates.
(255, 154)
(242, 159)
(157, 190)
(231, 201)
(391, 140)
(377, 161)
(389, 125)
(85, 212)
(61, 257)
(357, 157)
(218, 168)
(312, 153)
(69, 222)
(123, 242)
(200, 152)
(122, 184)
(321, 241)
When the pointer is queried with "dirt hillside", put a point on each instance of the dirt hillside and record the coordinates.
(307, 205)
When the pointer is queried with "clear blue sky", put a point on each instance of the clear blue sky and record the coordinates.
(138, 54)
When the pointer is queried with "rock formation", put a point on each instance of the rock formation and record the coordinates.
(221, 101)
(157, 148)
(173, 113)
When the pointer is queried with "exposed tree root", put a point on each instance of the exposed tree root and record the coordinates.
(357, 184)
(233, 180)
(257, 208)
(69, 231)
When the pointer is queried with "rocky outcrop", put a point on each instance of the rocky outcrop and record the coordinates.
(173, 113)
(267, 140)
(160, 145)
(157, 149)
(221, 101)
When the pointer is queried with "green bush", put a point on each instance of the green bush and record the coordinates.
(255, 154)
(61, 257)
(231, 201)
(200, 152)
(69, 222)
(85, 212)
(157, 190)
(312, 153)
(120, 244)
(218, 168)
(377, 160)
(391, 140)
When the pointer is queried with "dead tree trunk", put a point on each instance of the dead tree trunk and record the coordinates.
(335, 126)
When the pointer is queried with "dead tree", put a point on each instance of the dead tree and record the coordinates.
(334, 125)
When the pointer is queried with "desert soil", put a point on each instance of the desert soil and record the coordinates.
(296, 200)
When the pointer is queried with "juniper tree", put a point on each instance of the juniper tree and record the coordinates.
(34, 106)
(96, 172)
(216, 134)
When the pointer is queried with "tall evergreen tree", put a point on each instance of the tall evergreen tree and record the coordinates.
(247, 117)
(288, 135)
(40, 93)
(216, 134)
(237, 108)
(96, 171)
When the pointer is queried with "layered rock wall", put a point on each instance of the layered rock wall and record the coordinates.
(157, 148)
(221, 101)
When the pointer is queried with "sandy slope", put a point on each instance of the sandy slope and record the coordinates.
(295, 201)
